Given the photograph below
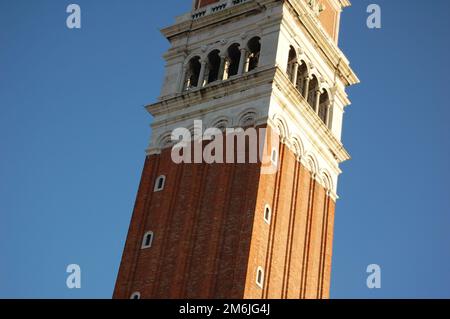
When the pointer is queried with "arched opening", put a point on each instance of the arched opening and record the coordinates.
(327, 181)
(324, 107)
(234, 56)
(221, 125)
(292, 60)
(302, 75)
(248, 119)
(213, 66)
(254, 48)
(312, 94)
(192, 73)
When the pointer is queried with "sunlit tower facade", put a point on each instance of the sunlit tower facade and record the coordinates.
(232, 230)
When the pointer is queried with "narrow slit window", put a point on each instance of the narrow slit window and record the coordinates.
(274, 157)
(267, 214)
(260, 277)
(160, 183)
(148, 240)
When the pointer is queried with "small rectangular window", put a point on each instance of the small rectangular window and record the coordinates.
(160, 183)
(260, 277)
(267, 214)
(147, 240)
(274, 157)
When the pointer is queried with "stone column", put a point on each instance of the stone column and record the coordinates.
(201, 77)
(183, 79)
(327, 117)
(226, 69)
(295, 74)
(247, 62)
(221, 68)
(242, 61)
(306, 88)
(317, 102)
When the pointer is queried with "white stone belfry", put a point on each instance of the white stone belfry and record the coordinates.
(254, 40)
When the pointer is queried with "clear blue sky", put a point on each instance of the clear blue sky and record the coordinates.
(73, 132)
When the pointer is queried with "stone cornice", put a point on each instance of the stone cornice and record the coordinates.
(213, 91)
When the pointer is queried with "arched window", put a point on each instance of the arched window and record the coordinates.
(192, 73)
(254, 50)
(312, 94)
(267, 214)
(260, 277)
(323, 107)
(232, 65)
(160, 183)
(221, 125)
(292, 60)
(135, 295)
(248, 119)
(147, 240)
(213, 66)
(302, 75)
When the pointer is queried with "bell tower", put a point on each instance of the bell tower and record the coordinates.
(233, 229)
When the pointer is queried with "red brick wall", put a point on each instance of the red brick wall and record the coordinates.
(202, 223)
(329, 19)
(295, 250)
(210, 234)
